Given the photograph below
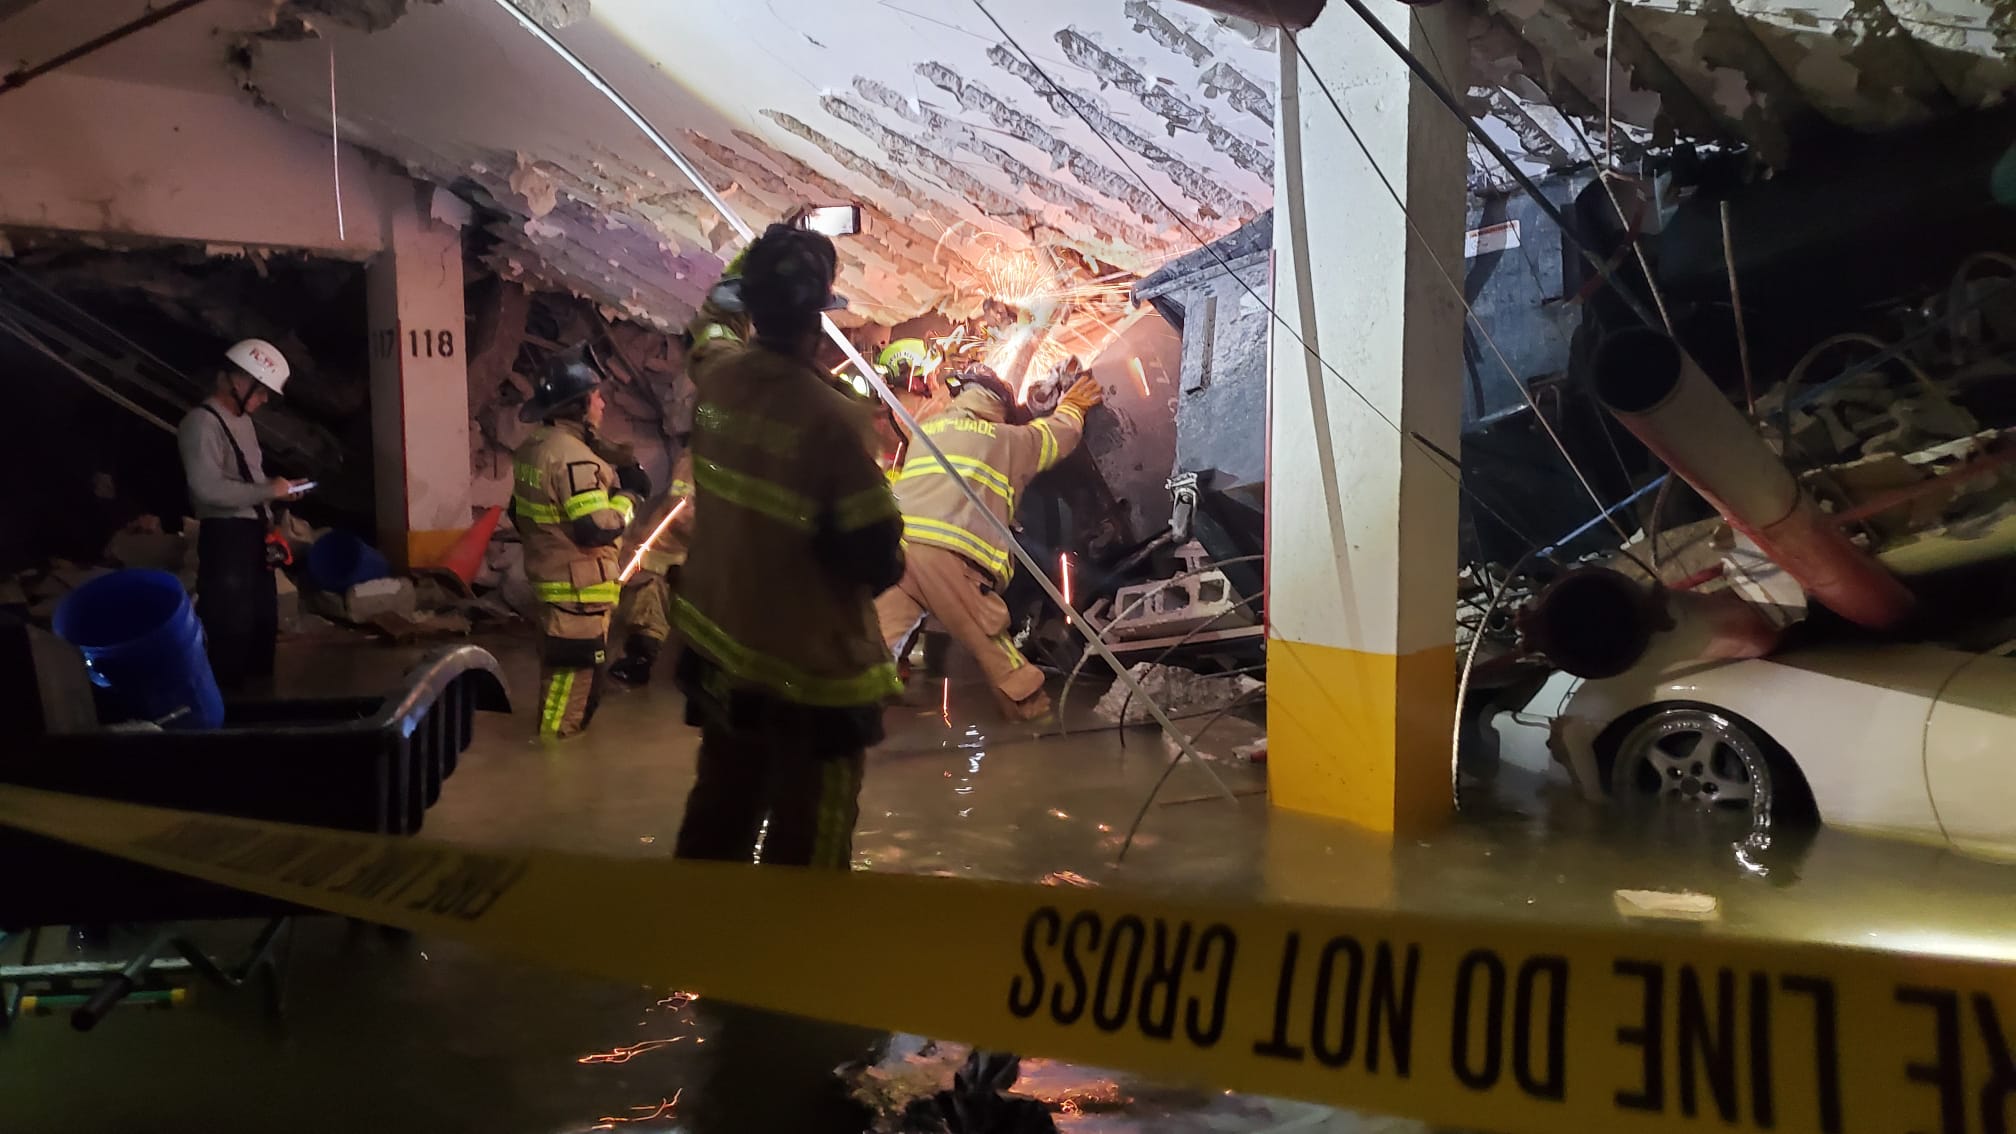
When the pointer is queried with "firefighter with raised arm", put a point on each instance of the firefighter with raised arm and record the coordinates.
(570, 510)
(958, 561)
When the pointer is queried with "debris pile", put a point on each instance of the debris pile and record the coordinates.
(1178, 691)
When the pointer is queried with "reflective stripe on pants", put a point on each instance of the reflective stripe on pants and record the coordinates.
(810, 803)
(567, 701)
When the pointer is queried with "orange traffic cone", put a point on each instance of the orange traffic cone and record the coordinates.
(466, 557)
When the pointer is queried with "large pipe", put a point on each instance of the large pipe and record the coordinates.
(1595, 622)
(1661, 396)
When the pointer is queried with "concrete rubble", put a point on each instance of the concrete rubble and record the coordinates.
(1179, 692)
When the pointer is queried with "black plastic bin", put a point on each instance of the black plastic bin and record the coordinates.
(355, 763)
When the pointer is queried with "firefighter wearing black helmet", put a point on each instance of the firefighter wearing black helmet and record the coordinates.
(570, 510)
(795, 533)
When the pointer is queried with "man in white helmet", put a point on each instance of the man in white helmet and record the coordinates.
(230, 493)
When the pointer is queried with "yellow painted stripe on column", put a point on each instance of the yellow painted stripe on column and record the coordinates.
(1360, 736)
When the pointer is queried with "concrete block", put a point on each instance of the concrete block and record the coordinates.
(366, 601)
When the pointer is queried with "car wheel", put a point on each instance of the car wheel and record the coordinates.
(1684, 759)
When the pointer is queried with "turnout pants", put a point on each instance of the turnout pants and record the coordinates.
(644, 617)
(573, 644)
(787, 778)
(808, 801)
(236, 600)
(949, 587)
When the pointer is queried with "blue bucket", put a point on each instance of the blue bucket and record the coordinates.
(339, 561)
(144, 647)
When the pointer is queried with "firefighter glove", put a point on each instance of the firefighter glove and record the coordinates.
(1084, 394)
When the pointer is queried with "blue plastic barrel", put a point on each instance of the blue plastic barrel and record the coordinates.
(144, 648)
(339, 561)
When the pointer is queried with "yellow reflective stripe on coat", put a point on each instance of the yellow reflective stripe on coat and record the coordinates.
(713, 331)
(610, 591)
(681, 487)
(756, 494)
(536, 513)
(952, 538)
(869, 506)
(1048, 455)
(972, 468)
(876, 684)
(779, 439)
(586, 504)
(624, 507)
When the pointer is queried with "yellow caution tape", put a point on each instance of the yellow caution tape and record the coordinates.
(1479, 1025)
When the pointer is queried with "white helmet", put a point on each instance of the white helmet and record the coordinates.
(262, 360)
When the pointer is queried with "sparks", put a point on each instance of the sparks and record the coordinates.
(626, 1054)
(946, 706)
(662, 1110)
(1064, 577)
(631, 568)
(1140, 374)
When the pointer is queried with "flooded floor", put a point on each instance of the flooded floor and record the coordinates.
(400, 1034)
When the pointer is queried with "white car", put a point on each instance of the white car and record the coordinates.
(1911, 741)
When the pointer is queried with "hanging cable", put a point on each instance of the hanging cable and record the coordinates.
(1450, 280)
(888, 396)
(1209, 246)
(1497, 152)
(335, 145)
(1736, 306)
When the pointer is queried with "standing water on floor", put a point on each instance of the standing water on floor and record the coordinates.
(401, 1034)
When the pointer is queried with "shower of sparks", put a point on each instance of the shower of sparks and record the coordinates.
(631, 568)
(626, 1054)
(678, 1000)
(1018, 278)
(945, 708)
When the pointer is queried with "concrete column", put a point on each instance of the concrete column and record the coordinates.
(419, 377)
(1361, 522)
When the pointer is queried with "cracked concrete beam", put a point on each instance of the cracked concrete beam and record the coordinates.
(1214, 201)
(1240, 91)
(1110, 68)
(855, 163)
(937, 127)
(918, 250)
(1089, 171)
(1150, 21)
(990, 201)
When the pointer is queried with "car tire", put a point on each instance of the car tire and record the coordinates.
(1684, 757)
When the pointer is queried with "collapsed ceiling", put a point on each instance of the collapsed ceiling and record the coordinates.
(1157, 133)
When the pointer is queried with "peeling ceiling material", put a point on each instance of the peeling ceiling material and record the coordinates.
(954, 142)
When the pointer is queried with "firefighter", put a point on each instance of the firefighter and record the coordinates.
(958, 562)
(570, 510)
(783, 668)
(644, 617)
